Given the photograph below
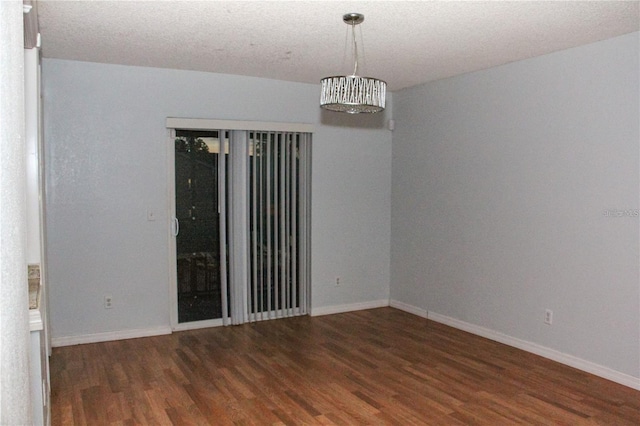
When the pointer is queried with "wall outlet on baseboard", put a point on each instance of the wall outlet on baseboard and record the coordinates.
(337, 281)
(548, 316)
(108, 301)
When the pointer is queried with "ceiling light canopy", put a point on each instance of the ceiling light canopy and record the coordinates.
(351, 93)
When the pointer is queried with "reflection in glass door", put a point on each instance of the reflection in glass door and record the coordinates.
(197, 162)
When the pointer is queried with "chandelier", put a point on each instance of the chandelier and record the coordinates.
(351, 93)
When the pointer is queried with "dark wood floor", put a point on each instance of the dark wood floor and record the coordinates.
(380, 366)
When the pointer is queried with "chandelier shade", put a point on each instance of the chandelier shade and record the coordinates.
(351, 93)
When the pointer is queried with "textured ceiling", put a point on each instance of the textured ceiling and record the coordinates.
(405, 43)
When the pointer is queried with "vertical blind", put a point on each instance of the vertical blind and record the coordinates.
(279, 195)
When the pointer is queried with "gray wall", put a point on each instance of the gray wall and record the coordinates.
(499, 183)
(106, 165)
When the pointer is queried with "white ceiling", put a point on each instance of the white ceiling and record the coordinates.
(405, 43)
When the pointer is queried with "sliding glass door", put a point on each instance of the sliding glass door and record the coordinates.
(241, 226)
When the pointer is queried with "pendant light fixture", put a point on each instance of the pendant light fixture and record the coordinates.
(353, 94)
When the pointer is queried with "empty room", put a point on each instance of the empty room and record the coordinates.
(320, 212)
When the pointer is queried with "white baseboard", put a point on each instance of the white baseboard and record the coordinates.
(543, 351)
(338, 309)
(109, 336)
(132, 334)
(408, 308)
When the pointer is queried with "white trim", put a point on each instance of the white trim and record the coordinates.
(35, 320)
(208, 124)
(543, 351)
(195, 325)
(171, 219)
(338, 309)
(109, 336)
(408, 308)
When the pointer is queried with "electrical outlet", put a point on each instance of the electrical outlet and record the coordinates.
(108, 301)
(337, 281)
(548, 317)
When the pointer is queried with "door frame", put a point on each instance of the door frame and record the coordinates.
(173, 257)
(173, 123)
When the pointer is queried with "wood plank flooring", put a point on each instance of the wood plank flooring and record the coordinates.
(380, 366)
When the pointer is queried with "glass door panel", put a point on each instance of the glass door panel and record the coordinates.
(198, 239)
